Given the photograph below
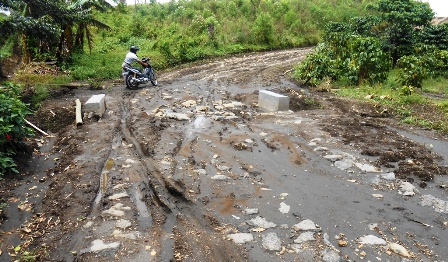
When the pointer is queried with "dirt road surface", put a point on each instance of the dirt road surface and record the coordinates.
(194, 170)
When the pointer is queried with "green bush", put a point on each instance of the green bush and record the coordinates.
(13, 130)
(346, 58)
(412, 71)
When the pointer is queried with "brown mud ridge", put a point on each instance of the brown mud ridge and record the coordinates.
(193, 170)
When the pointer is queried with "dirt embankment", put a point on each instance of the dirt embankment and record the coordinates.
(193, 170)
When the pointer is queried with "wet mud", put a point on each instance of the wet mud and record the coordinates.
(194, 170)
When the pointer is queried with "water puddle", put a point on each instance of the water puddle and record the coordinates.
(167, 241)
(199, 123)
(29, 190)
(145, 219)
(103, 186)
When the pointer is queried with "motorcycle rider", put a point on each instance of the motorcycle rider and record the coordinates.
(132, 57)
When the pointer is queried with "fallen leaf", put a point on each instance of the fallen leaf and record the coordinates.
(13, 200)
(25, 207)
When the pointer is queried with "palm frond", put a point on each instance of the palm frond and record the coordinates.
(99, 24)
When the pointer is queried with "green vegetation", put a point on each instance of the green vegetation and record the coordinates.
(170, 33)
(392, 52)
(185, 31)
(13, 131)
(387, 48)
(426, 107)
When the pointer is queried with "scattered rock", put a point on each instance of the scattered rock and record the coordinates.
(321, 148)
(240, 238)
(439, 205)
(249, 141)
(251, 211)
(284, 208)
(177, 116)
(118, 196)
(263, 134)
(123, 223)
(201, 108)
(189, 103)
(112, 212)
(343, 164)
(330, 255)
(372, 240)
(119, 234)
(306, 225)
(261, 222)
(398, 249)
(316, 140)
(407, 189)
(99, 245)
(377, 195)
(115, 211)
(306, 236)
(333, 157)
(88, 224)
(342, 243)
(200, 172)
(220, 177)
(223, 168)
(388, 176)
(367, 168)
(271, 242)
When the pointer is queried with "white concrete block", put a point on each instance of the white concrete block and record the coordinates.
(272, 101)
(96, 104)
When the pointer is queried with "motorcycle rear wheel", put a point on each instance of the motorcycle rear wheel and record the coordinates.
(130, 83)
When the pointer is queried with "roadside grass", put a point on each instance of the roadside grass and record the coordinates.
(426, 107)
(37, 87)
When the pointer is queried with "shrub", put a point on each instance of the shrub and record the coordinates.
(13, 131)
(412, 71)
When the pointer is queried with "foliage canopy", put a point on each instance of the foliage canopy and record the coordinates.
(395, 33)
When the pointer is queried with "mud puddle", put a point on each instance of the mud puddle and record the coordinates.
(193, 170)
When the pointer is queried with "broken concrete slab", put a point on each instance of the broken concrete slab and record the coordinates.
(304, 237)
(240, 238)
(272, 102)
(123, 223)
(271, 241)
(118, 196)
(251, 211)
(306, 225)
(261, 222)
(372, 240)
(407, 189)
(99, 245)
(284, 208)
(96, 104)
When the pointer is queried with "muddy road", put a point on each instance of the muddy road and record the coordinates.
(193, 170)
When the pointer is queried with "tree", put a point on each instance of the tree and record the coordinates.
(43, 26)
(399, 22)
(69, 40)
(396, 32)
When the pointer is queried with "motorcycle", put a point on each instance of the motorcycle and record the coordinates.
(134, 76)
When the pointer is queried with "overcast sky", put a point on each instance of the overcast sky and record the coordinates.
(440, 7)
